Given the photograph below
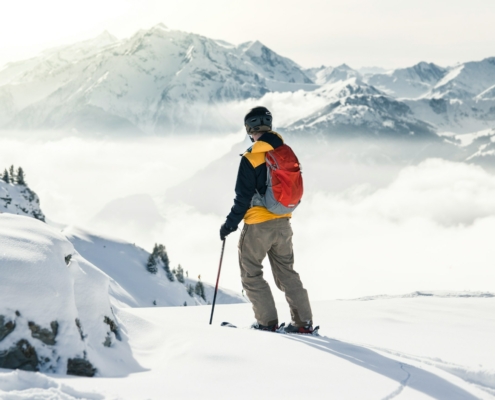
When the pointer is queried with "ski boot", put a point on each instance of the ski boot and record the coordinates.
(305, 330)
(269, 328)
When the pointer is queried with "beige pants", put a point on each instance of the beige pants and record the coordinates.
(275, 239)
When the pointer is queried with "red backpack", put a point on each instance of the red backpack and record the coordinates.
(284, 182)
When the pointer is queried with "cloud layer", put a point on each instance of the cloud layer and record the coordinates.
(429, 228)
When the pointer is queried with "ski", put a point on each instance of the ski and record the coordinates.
(279, 330)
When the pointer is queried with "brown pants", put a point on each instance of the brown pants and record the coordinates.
(275, 239)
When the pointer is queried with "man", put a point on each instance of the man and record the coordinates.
(265, 233)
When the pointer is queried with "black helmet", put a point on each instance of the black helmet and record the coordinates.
(258, 119)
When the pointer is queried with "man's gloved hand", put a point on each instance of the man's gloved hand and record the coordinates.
(226, 230)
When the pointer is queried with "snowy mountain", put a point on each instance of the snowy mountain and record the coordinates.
(409, 82)
(466, 80)
(157, 80)
(323, 75)
(161, 81)
(462, 101)
(357, 108)
(20, 200)
(30, 81)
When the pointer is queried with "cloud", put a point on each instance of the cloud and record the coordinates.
(426, 227)
(445, 192)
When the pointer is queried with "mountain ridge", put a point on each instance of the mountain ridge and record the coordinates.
(164, 81)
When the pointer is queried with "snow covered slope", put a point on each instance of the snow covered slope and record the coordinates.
(462, 100)
(408, 82)
(466, 80)
(131, 284)
(403, 348)
(19, 199)
(55, 313)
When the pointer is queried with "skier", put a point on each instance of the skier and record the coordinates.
(265, 233)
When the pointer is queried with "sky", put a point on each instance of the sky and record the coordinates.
(361, 33)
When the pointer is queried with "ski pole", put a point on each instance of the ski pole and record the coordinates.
(218, 279)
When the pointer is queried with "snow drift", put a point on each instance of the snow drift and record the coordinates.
(55, 313)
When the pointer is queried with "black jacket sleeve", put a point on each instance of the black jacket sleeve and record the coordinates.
(245, 188)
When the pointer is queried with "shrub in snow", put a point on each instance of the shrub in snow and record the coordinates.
(200, 290)
(179, 274)
(55, 313)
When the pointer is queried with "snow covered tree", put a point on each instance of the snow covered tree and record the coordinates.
(12, 174)
(162, 253)
(159, 257)
(151, 264)
(179, 274)
(190, 290)
(6, 176)
(20, 177)
(200, 290)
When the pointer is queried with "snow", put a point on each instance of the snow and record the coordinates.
(402, 348)
(39, 284)
(409, 82)
(20, 200)
(420, 345)
(131, 285)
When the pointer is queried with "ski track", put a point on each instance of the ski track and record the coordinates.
(403, 384)
(458, 371)
(481, 379)
(423, 380)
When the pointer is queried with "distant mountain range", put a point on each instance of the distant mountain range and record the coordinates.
(163, 81)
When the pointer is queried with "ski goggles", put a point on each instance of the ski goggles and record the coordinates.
(255, 123)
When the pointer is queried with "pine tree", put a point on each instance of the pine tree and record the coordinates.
(12, 174)
(20, 178)
(179, 274)
(190, 290)
(162, 253)
(6, 176)
(200, 290)
(151, 264)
